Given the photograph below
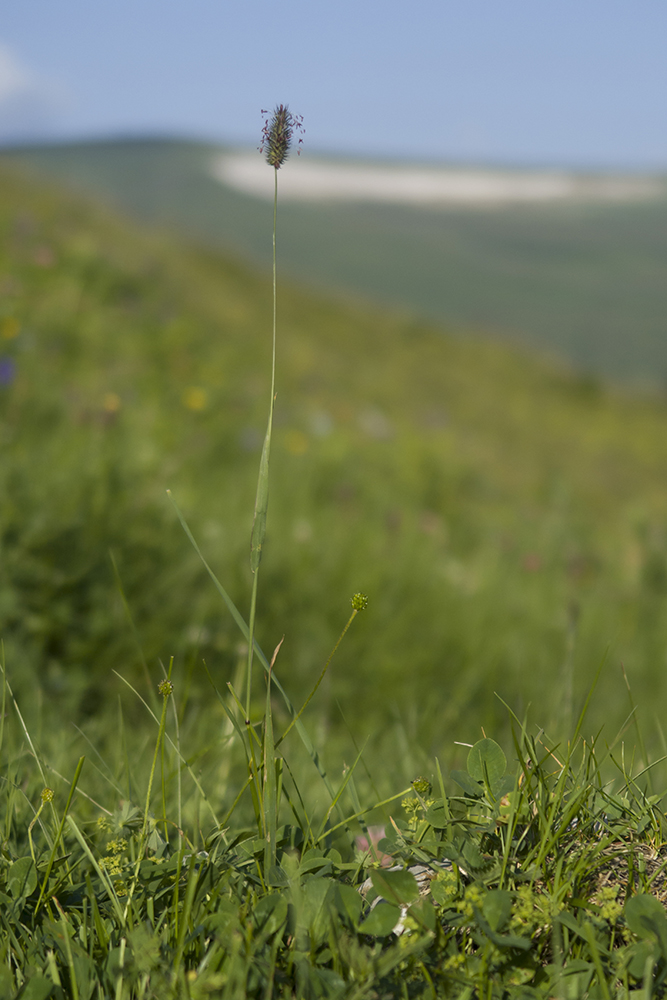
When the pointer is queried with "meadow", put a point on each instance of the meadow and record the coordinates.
(583, 281)
(504, 516)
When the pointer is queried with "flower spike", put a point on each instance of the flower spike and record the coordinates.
(278, 133)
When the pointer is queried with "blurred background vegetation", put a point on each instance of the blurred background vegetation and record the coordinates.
(580, 279)
(505, 515)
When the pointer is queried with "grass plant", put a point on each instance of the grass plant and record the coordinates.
(203, 846)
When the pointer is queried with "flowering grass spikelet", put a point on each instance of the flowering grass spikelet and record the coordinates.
(278, 133)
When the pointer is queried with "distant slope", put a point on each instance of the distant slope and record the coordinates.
(506, 519)
(583, 280)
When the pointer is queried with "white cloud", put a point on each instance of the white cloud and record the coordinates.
(15, 79)
(29, 104)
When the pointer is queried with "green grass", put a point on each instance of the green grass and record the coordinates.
(504, 517)
(585, 282)
(541, 879)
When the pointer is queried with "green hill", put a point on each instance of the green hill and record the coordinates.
(583, 281)
(505, 517)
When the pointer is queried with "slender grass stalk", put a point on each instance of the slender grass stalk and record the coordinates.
(162, 765)
(121, 967)
(71, 968)
(4, 694)
(640, 738)
(101, 873)
(240, 621)
(271, 796)
(47, 798)
(184, 919)
(262, 497)
(182, 759)
(166, 689)
(359, 602)
(349, 819)
(276, 139)
(133, 627)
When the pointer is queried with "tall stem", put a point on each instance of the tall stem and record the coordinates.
(262, 498)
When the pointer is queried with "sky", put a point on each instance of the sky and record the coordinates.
(507, 82)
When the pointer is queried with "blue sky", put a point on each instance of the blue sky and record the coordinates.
(575, 82)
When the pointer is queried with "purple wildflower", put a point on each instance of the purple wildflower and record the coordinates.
(7, 371)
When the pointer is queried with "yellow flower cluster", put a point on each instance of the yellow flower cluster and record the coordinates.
(471, 901)
(455, 962)
(113, 862)
(448, 887)
(610, 908)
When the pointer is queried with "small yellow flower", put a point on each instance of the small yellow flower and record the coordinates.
(10, 328)
(195, 398)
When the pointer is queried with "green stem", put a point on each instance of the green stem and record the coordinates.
(166, 689)
(158, 745)
(262, 497)
(320, 678)
(54, 848)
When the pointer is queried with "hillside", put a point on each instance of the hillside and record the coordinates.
(581, 278)
(505, 517)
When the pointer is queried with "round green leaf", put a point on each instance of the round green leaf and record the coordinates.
(395, 887)
(645, 916)
(381, 920)
(277, 877)
(348, 902)
(437, 815)
(22, 878)
(423, 912)
(270, 913)
(470, 787)
(496, 907)
(642, 951)
(486, 762)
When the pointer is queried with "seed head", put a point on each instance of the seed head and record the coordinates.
(278, 133)
(359, 602)
(47, 795)
(422, 786)
(165, 688)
